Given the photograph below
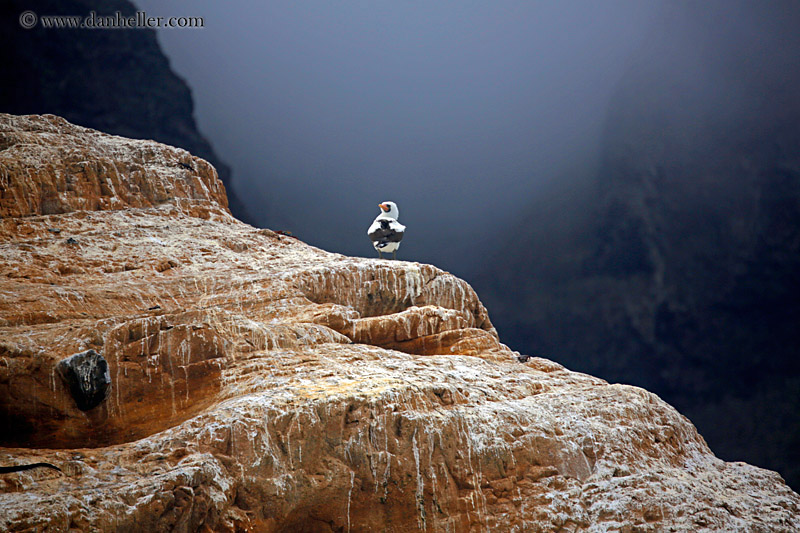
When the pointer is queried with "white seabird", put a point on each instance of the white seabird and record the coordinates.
(386, 232)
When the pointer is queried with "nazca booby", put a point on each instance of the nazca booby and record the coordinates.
(386, 232)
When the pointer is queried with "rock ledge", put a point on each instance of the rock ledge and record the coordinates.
(260, 384)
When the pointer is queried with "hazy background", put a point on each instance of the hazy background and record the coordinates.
(458, 111)
(619, 180)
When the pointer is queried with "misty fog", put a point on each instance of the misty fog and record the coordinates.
(457, 111)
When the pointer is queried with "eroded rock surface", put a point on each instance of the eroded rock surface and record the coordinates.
(260, 384)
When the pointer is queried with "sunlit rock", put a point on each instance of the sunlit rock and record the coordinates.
(260, 384)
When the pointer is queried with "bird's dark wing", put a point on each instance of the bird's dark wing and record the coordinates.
(386, 230)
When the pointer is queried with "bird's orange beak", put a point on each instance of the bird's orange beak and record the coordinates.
(384, 207)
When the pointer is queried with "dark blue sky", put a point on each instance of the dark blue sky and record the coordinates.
(460, 112)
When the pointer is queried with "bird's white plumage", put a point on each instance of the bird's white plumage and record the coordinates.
(389, 247)
(385, 231)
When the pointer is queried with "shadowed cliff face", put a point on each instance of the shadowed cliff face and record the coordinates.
(260, 384)
(683, 279)
(116, 81)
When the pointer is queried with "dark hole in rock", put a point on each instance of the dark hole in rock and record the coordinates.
(87, 376)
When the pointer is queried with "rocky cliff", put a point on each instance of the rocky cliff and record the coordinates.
(254, 383)
(117, 80)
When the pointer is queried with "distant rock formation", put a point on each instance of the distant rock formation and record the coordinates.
(677, 270)
(260, 384)
(115, 80)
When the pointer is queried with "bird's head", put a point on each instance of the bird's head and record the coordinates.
(389, 209)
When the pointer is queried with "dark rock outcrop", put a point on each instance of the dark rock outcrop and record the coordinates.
(114, 80)
(86, 375)
(684, 279)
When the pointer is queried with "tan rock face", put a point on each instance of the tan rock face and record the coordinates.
(259, 384)
(44, 170)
